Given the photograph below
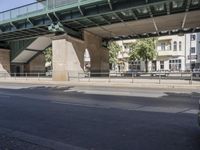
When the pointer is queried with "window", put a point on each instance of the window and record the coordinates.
(175, 46)
(134, 65)
(192, 50)
(162, 46)
(192, 37)
(162, 65)
(175, 65)
(180, 46)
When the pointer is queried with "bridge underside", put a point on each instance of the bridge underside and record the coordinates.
(114, 19)
(158, 26)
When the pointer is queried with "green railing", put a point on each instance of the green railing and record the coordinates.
(41, 7)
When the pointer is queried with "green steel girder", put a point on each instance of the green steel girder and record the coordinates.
(18, 46)
(91, 13)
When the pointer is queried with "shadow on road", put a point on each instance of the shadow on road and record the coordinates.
(103, 122)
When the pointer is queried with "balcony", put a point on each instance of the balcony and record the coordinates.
(170, 53)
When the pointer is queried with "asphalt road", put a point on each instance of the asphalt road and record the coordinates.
(102, 118)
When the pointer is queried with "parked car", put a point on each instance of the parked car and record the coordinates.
(131, 73)
(196, 72)
(162, 73)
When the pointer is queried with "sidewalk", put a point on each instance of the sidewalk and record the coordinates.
(128, 83)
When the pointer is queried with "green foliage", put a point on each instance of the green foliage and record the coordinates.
(133, 55)
(146, 49)
(143, 49)
(48, 54)
(114, 49)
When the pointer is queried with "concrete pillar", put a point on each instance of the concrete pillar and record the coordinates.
(68, 56)
(4, 61)
(99, 55)
(66, 59)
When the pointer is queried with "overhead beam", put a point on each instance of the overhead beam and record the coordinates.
(186, 14)
(110, 4)
(154, 22)
(168, 8)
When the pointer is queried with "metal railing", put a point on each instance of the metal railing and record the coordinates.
(113, 77)
(25, 76)
(38, 8)
(139, 77)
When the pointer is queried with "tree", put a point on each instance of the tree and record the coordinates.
(133, 55)
(114, 50)
(143, 49)
(48, 54)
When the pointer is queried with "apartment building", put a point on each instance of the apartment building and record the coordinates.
(174, 53)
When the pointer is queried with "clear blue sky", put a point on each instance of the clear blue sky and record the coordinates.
(9, 4)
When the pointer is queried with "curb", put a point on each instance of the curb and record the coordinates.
(104, 84)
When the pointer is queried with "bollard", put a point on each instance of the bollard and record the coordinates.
(89, 76)
(109, 80)
(78, 77)
(159, 78)
(26, 76)
(38, 76)
(191, 79)
(132, 77)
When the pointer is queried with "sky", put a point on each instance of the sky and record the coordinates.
(9, 4)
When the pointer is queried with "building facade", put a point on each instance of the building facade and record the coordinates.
(174, 53)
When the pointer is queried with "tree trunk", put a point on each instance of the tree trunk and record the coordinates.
(146, 65)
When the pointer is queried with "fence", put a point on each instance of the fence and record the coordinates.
(111, 77)
(140, 77)
(26, 76)
(38, 8)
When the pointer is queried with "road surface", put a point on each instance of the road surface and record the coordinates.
(97, 118)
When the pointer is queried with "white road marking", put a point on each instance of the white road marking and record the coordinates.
(118, 93)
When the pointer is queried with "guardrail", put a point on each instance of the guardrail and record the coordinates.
(120, 77)
(25, 76)
(139, 77)
(43, 7)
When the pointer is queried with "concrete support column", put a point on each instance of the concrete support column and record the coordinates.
(68, 56)
(99, 55)
(66, 59)
(4, 61)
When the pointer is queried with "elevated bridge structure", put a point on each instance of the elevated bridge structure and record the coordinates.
(87, 24)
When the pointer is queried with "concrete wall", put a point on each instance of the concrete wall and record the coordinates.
(68, 56)
(36, 65)
(4, 61)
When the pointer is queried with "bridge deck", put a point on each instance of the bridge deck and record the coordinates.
(77, 15)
